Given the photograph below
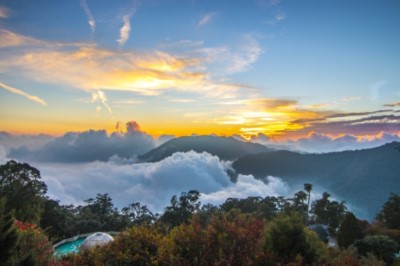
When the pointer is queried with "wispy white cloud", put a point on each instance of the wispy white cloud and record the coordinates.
(90, 68)
(268, 3)
(280, 16)
(206, 19)
(101, 96)
(125, 30)
(91, 21)
(4, 12)
(248, 54)
(375, 89)
(12, 39)
(24, 94)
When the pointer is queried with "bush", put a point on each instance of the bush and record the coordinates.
(229, 239)
(381, 246)
(288, 240)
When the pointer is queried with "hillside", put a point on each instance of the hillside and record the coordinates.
(361, 178)
(223, 147)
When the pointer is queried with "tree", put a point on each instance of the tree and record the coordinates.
(349, 231)
(139, 214)
(181, 211)
(24, 190)
(383, 247)
(328, 212)
(308, 188)
(390, 213)
(9, 238)
(99, 215)
(57, 220)
(287, 239)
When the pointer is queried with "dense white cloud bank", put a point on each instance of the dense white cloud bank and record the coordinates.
(154, 184)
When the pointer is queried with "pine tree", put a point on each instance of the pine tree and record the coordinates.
(349, 231)
(9, 237)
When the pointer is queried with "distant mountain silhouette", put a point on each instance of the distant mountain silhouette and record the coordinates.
(226, 148)
(363, 178)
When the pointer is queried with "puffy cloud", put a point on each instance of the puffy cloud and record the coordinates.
(24, 94)
(29, 142)
(90, 146)
(154, 184)
(246, 186)
(10, 141)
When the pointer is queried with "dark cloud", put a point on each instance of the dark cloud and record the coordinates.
(358, 113)
(397, 104)
(90, 146)
(9, 141)
(340, 115)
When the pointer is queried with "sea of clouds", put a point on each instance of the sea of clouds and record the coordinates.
(77, 166)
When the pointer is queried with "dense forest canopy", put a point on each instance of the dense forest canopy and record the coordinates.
(254, 230)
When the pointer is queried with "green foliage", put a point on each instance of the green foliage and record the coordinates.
(21, 184)
(381, 246)
(57, 220)
(379, 229)
(139, 214)
(99, 215)
(328, 212)
(390, 213)
(350, 256)
(135, 246)
(181, 210)
(288, 240)
(349, 231)
(34, 247)
(9, 238)
(263, 207)
(229, 239)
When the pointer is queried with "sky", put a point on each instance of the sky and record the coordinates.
(282, 70)
(88, 85)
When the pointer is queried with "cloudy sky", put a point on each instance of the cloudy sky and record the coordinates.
(286, 69)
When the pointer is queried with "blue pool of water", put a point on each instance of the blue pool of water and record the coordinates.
(70, 247)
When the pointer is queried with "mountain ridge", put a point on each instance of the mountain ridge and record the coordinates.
(354, 176)
(226, 148)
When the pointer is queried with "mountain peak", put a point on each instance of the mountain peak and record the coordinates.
(226, 148)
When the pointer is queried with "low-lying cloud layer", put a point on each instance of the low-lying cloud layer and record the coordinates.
(321, 143)
(154, 184)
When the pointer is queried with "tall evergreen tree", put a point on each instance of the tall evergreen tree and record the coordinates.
(9, 237)
(390, 213)
(349, 231)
